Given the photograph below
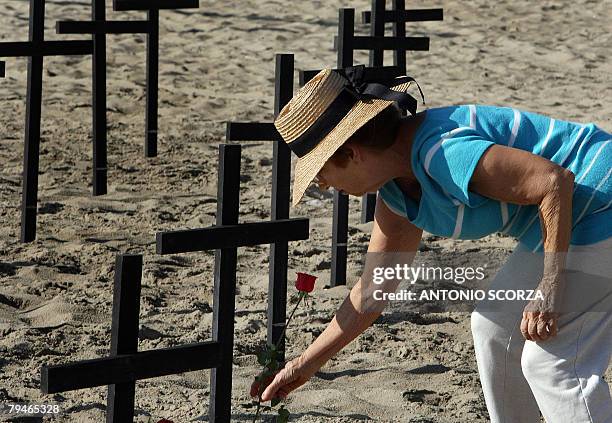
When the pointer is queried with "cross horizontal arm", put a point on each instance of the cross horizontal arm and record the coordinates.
(2, 69)
(251, 131)
(364, 42)
(232, 236)
(16, 49)
(46, 48)
(370, 73)
(124, 5)
(102, 27)
(403, 16)
(129, 367)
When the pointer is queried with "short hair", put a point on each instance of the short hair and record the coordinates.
(377, 134)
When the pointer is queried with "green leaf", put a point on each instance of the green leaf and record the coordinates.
(262, 357)
(265, 375)
(283, 415)
(275, 401)
(273, 365)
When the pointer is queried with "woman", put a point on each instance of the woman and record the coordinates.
(466, 172)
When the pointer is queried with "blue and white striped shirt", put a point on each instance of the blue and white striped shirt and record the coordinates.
(447, 147)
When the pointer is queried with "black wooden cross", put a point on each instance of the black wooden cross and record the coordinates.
(99, 27)
(399, 16)
(346, 42)
(125, 366)
(377, 18)
(35, 49)
(152, 7)
(2, 69)
(227, 236)
(281, 200)
(340, 210)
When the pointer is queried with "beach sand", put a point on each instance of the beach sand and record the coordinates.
(217, 65)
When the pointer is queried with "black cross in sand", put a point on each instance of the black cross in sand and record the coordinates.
(153, 7)
(36, 48)
(399, 16)
(2, 69)
(99, 27)
(126, 364)
(347, 43)
(281, 200)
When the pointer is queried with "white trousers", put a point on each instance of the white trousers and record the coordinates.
(561, 377)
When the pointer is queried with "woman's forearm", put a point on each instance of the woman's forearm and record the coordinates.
(394, 240)
(347, 324)
(556, 221)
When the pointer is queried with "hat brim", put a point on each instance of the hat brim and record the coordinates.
(309, 165)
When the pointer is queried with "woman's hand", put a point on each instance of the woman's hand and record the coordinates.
(540, 316)
(289, 378)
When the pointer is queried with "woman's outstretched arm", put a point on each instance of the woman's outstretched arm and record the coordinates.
(390, 233)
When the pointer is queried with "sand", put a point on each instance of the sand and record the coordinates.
(217, 65)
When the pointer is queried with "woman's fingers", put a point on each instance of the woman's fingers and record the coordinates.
(536, 326)
(524, 326)
(552, 326)
(285, 381)
(532, 328)
(255, 386)
(541, 329)
(276, 384)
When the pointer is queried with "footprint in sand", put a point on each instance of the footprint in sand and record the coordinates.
(425, 396)
(50, 314)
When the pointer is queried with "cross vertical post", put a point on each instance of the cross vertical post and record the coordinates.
(2, 69)
(281, 178)
(124, 333)
(377, 29)
(151, 121)
(152, 7)
(224, 297)
(99, 27)
(35, 49)
(32, 128)
(346, 33)
(281, 199)
(100, 161)
(399, 30)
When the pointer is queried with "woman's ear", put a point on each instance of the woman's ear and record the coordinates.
(354, 152)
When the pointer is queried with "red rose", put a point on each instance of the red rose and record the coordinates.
(305, 282)
(165, 421)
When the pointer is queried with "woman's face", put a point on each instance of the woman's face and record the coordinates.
(363, 173)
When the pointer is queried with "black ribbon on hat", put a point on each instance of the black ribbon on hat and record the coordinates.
(365, 90)
(357, 88)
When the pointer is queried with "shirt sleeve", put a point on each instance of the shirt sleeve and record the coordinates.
(451, 160)
(392, 199)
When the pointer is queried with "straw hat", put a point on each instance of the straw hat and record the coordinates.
(328, 110)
